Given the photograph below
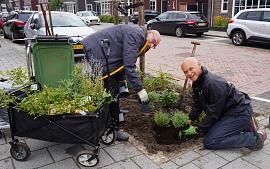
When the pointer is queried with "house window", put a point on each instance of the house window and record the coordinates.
(224, 6)
(105, 8)
(153, 5)
(89, 7)
(248, 4)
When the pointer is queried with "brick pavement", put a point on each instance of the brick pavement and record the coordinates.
(47, 155)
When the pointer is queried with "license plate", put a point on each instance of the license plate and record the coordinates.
(77, 46)
(201, 24)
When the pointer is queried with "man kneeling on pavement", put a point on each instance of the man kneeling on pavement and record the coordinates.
(229, 121)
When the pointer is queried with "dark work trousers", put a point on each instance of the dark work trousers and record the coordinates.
(231, 132)
(112, 85)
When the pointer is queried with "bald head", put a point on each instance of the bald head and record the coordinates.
(153, 38)
(191, 68)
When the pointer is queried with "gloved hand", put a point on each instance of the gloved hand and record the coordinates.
(143, 99)
(143, 96)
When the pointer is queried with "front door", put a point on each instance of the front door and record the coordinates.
(164, 6)
(265, 28)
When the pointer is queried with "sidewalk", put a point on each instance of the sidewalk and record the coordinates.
(216, 34)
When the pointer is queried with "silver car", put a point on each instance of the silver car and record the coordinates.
(64, 23)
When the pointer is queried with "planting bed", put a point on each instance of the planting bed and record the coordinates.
(142, 127)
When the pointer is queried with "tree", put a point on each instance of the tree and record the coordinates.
(56, 4)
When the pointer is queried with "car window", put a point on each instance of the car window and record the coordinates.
(33, 19)
(197, 16)
(24, 16)
(64, 20)
(254, 15)
(181, 16)
(87, 14)
(163, 16)
(266, 16)
(172, 16)
(243, 16)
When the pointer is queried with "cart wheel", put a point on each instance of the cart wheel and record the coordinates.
(109, 137)
(87, 160)
(20, 151)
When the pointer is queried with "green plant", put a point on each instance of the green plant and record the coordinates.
(190, 131)
(158, 83)
(201, 117)
(154, 96)
(179, 119)
(17, 76)
(221, 21)
(106, 18)
(169, 98)
(161, 119)
(82, 92)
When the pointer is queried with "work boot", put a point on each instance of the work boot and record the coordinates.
(121, 136)
(260, 138)
(254, 124)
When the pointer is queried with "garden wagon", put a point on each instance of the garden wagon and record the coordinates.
(52, 60)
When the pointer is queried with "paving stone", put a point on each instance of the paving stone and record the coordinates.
(258, 158)
(122, 151)
(4, 151)
(38, 144)
(210, 160)
(125, 164)
(201, 150)
(186, 158)
(169, 165)
(238, 164)
(65, 164)
(190, 166)
(104, 160)
(6, 164)
(37, 159)
(229, 154)
(144, 162)
(58, 152)
(266, 149)
(264, 122)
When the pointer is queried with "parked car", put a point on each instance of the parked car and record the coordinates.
(148, 15)
(250, 25)
(14, 25)
(179, 23)
(3, 16)
(64, 23)
(88, 17)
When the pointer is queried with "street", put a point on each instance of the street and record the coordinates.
(247, 67)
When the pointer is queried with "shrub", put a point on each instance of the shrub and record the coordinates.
(179, 119)
(201, 117)
(169, 98)
(106, 18)
(154, 97)
(221, 21)
(161, 119)
(190, 131)
(161, 82)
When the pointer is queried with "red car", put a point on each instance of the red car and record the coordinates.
(3, 16)
(14, 25)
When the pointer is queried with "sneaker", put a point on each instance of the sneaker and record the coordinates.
(121, 136)
(260, 138)
(254, 124)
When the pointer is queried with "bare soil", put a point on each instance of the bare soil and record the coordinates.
(141, 126)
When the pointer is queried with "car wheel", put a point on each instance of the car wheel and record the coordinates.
(238, 38)
(134, 22)
(199, 34)
(149, 27)
(179, 32)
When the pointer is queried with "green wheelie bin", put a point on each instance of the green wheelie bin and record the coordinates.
(53, 60)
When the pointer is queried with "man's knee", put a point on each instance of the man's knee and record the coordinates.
(210, 143)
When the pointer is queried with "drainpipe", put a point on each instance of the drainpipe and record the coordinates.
(212, 12)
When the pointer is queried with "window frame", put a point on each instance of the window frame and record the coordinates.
(222, 6)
